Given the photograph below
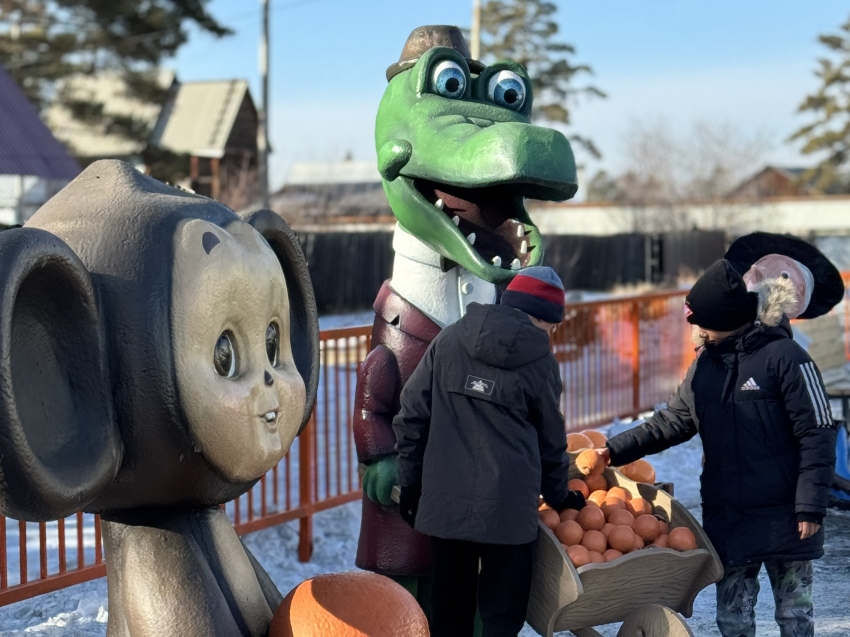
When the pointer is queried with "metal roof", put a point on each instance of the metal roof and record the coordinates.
(199, 118)
(107, 88)
(26, 145)
(342, 172)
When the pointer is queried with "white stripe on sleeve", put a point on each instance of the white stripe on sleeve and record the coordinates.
(810, 386)
(827, 409)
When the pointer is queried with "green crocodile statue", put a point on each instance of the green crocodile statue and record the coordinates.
(458, 155)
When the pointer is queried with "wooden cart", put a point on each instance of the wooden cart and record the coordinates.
(646, 590)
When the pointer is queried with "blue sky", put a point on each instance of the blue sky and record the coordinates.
(744, 62)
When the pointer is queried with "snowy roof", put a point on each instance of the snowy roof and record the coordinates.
(108, 88)
(200, 117)
(27, 146)
(343, 172)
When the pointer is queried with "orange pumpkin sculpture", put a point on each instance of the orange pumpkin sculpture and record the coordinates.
(353, 604)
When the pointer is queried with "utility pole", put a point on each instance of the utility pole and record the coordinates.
(475, 31)
(263, 114)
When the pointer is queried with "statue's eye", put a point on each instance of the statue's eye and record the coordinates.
(272, 343)
(449, 79)
(785, 274)
(224, 356)
(507, 89)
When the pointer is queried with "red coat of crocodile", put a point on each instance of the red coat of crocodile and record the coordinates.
(400, 335)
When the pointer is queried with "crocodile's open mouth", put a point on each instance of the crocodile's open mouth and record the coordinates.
(490, 218)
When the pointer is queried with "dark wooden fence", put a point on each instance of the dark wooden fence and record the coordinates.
(348, 268)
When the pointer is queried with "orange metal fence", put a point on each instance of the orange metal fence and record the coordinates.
(617, 358)
(318, 473)
(621, 357)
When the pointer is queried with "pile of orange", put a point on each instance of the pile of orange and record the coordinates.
(612, 524)
(639, 470)
(352, 604)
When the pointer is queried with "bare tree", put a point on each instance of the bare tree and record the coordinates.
(239, 181)
(665, 175)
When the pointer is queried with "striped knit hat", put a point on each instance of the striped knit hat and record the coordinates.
(537, 291)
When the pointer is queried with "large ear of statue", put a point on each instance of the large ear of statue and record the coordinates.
(304, 326)
(59, 442)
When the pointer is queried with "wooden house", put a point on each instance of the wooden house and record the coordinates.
(213, 125)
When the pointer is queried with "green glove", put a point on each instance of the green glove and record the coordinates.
(379, 480)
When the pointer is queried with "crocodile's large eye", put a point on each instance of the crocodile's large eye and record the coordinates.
(448, 79)
(272, 343)
(224, 355)
(507, 89)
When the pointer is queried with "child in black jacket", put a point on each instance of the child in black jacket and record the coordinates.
(758, 403)
(480, 437)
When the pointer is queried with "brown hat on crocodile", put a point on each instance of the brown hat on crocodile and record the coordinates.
(424, 38)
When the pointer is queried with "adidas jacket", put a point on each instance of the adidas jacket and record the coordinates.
(758, 403)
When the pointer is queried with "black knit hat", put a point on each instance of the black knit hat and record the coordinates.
(719, 299)
(828, 289)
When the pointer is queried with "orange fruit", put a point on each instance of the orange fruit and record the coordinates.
(352, 604)
(578, 556)
(647, 527)
(598, 497)
(621, 538)
(641, 471)
(620, 492)
(549, 518)
(621, 517)
(638, 506)
(597, 438)
(664, 527)
(591, 518)
(611, 554)
(595, 558)
(579, 485)
(594, 541)
(682, 539)
(569, 533)
(589, 462)
(661, 541)
(607, 529)
(639, 543)
(596, 483)
(578, 441)
(568, 514)
(612, 504)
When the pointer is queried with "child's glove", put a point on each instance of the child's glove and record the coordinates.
(575, 500)
(408, 503)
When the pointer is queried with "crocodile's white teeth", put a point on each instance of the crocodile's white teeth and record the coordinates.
(456, 220)
(439, 203)
(497, 261)
(471, 239)
(523, 248)
(270, 416)
(520, 231)
(515, 264)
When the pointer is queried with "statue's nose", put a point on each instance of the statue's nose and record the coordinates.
(268, 378)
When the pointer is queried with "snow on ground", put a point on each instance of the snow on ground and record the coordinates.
(81, 610)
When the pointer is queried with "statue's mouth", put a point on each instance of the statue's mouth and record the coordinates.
(489, 218)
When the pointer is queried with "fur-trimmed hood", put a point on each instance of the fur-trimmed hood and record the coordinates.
(776, 297)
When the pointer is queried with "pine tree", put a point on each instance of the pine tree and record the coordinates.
(526, 31)
(829, 134)
(43, 42)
